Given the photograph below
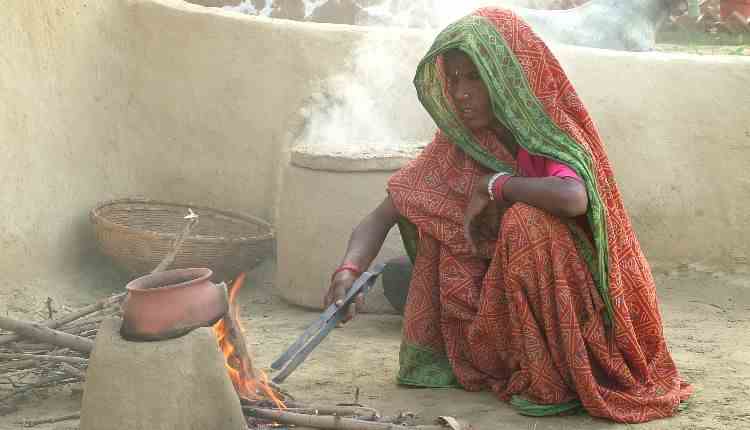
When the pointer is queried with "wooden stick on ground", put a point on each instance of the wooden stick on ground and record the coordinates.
(50, 311)
(58, 358)
(52, 380)
(44, 334)
(17, 365)
(32, 423)
(342, 411)
(72, 371)
(363, 412)
(327, 422)
(99, 305)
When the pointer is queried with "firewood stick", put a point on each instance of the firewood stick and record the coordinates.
(100, 304)
(53, 380)
(169, 258)
(28, 348)
(92, 320)
(58, 358)
(32, 423)
(237, 339)
(342, 411)
(17, 365)
(82, 328)
(44, 334)
(50, 311)
(328, 422)
(234, 335)
(72, 370)
(14, 373)
(286, 395)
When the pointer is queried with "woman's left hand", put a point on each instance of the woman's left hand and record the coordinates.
(478, 202)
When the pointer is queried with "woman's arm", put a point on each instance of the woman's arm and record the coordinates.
(364, 244)
(368, 237)
(565, 197)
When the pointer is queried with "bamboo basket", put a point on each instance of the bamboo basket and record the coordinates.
(137, 233)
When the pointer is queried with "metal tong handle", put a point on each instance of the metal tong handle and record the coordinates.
(319, 329)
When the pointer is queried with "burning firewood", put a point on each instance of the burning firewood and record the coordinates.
(250, 384)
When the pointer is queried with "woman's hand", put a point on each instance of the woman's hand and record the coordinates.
(340, 285)
(364, 245)
(478, 202)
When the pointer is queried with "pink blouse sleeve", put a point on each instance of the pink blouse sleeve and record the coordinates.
(535, 166)
(553, 168)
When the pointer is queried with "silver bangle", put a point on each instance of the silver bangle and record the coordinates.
(492, 181)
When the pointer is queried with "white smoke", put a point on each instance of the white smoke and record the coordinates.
(427, 14)
(371, 106)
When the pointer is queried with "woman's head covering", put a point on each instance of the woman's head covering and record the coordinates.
(533, 98)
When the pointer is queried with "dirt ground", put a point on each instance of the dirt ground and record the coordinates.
(707, 321)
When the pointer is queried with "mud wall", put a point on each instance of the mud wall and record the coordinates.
(65, 86)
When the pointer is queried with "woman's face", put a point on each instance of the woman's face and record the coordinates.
(466, 88)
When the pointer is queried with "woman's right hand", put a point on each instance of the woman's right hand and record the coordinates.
(340, 285)
(364, 245)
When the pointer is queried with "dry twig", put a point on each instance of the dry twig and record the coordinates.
(33, 423)
(45, 382)
(169, 258)
(72, 371)
(327, 421)
(59, 358)
(99, 305)
(44, 334)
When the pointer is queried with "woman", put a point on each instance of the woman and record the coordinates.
(528, 278)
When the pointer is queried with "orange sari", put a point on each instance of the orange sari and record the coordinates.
(554, 317)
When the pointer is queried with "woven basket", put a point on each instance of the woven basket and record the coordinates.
(137, 234)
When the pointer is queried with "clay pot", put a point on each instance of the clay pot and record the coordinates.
(170, 304)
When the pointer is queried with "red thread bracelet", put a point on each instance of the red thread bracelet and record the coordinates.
(347, 266)
(497, 187)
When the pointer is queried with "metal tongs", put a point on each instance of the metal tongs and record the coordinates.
(317, 331)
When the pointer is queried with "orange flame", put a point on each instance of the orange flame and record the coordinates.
(250, 383)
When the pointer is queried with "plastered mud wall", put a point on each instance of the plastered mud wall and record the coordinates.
(170, 100)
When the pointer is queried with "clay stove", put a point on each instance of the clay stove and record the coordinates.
(180, 382)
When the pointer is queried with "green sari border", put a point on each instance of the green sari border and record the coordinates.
(422, 367)
(529, 408)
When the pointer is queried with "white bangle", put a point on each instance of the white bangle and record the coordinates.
(492, 181)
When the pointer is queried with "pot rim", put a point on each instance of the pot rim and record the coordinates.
(150, 283)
